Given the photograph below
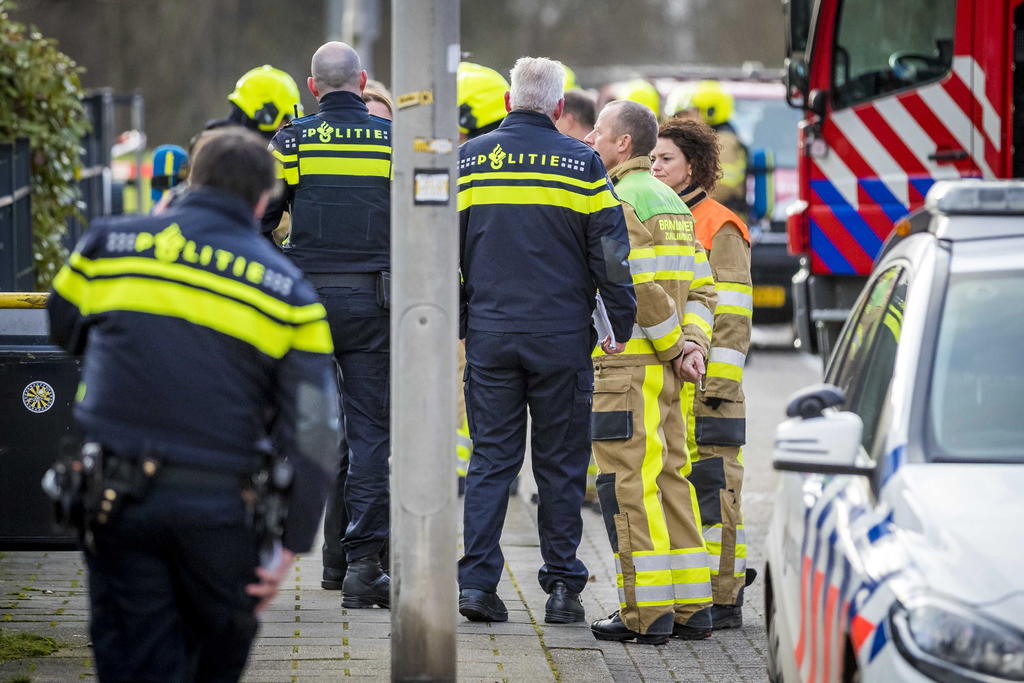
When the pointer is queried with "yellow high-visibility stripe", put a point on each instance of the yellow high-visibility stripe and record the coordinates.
(634, 347)
(735, 310)
(284, 158)
(654, 378)
(734, 287)
(206, 309)
(893, 324)
(341, 147)
(168, 164)
(681, 275)
(642, 252)
(674, 250)
(132, 265)
(524, 175)
(667, 341)
(357, 166)
(725, 371)
(70, 285)
(288, 175)
(544, 196)
(640, 278)
(694, 319)
(691, 429)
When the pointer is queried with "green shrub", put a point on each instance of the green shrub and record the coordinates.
(41, 95)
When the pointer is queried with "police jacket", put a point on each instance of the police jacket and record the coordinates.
(336, 166)
(670, 271)
(540, 232)
(727, 241)
(201, 343)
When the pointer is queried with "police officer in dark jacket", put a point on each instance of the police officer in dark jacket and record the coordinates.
(541, 230)
(336, 168)
(203, 347)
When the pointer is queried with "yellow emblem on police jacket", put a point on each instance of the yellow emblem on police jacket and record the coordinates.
(497, 157)
(38, 397)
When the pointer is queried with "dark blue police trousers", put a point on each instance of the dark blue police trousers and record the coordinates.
(552, 375)
(167, 588)
(361, 331)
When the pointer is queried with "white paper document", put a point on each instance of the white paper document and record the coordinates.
(601, 322)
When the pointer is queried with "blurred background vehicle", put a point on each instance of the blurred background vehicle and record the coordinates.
(891, 554)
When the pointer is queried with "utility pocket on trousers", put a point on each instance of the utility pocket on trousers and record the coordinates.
(612, 415)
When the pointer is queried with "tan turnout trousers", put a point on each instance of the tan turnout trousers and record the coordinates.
(651, 510)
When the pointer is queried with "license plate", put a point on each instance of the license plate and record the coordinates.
(769, 296)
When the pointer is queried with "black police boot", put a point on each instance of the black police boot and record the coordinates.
(365, 585)
(731, 616)
(612, 628)
(333, 578)
(478, 605)
(697, 627)
(563, 607)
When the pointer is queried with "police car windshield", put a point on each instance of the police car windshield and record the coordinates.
(978, 371)
(769, 123)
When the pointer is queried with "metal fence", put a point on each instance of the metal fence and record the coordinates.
(16, 267)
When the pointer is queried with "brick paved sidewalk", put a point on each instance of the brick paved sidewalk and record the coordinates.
(306, 636)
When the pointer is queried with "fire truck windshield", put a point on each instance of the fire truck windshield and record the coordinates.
(887, 45)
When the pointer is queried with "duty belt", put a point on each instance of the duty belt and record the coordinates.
(359, 280)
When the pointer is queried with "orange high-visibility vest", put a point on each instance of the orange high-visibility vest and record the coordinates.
(710, 216)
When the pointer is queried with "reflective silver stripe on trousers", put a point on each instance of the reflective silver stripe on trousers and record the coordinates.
(689, 560)
(647, 264)
(713, 534)
(691, 591)
(720, 354)
(655, 563)
(653, 593)
(728, 297)
(663, 328)
(700, 310)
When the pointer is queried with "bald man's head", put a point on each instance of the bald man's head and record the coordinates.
(336, 66)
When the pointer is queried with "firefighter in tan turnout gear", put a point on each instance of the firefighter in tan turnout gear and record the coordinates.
(686, 158)
(639, 434)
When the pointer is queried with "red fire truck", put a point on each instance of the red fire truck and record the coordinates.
(897, 94)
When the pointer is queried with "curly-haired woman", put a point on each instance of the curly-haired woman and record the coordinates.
(686, 158)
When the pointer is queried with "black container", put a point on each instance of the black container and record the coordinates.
(38, 382)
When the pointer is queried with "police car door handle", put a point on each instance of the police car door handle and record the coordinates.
(948, 155)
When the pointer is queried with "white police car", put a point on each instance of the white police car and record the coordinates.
(896, 550)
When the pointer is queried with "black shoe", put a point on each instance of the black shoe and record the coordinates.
(612, 628)
(563, 607)
(697, 627)
(749, 577)
(478, 605)
(726, 616)
(333, 578)
(365, 585)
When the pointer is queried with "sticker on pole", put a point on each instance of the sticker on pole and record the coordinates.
(38, 397)
(430, 186)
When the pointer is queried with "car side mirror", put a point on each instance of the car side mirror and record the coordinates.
(817, 102)
(818, 439)
(813, 400)
(761, 167)
(796, 82)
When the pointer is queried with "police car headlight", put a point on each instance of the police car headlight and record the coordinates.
(952, 642)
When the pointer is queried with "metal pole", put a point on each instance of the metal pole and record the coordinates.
(424, 319)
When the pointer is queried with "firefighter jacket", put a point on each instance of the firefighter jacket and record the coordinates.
(540, 232)
(727, 240)
(336, 166)
(202, 343)
(674, 288)
(731, 189)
